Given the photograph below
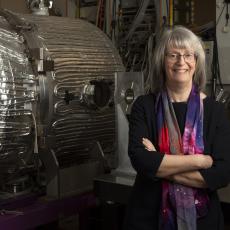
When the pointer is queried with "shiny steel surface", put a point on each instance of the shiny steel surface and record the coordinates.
(17, 97)
(81, 53)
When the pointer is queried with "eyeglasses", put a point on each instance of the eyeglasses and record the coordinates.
(173, 57)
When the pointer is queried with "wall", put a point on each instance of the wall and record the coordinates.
(204, 11)
(223, 39)
(18, 6)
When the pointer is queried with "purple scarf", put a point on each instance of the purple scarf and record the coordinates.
(181, 205)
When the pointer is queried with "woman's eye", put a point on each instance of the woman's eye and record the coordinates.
(173, 55)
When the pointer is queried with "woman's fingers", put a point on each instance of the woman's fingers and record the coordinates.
(148, 144)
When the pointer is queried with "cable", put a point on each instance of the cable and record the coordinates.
(215, 69)
(36, 135)
(138, 18)
(217, 21)
(167, 7)
(171, 13)
(149, 67)
(227, 16)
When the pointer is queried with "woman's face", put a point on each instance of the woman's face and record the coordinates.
(179, 67)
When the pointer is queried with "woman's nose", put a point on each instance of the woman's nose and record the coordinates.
(180, 59)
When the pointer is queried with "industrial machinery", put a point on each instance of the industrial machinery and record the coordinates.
(116, 186)
(137, 24)
(63, 114)
(57, 109)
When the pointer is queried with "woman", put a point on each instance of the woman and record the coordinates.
(179, 143)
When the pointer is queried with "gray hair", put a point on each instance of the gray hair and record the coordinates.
(181, 38)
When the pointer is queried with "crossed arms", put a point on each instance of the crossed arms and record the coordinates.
(182, 169)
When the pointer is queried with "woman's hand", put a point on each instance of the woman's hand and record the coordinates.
(204, 161)
(191, 179)
(148, 144)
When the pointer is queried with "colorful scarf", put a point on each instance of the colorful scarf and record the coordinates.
(181, 205)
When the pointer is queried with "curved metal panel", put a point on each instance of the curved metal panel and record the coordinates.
(81, 54)
(17, 97)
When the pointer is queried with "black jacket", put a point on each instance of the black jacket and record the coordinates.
(144, 205)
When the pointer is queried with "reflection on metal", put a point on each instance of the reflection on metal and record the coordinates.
(18, 186)
(17, 97)
(129, 95)
(128, 87)
(224, 97)
(116, 186)
(47, 60)
(38, 7)
(97, 94)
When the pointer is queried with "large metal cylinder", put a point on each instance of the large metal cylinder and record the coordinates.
(56, 91)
